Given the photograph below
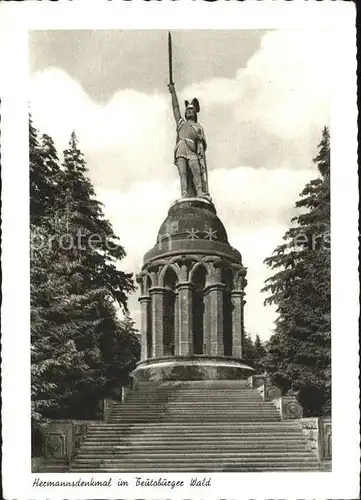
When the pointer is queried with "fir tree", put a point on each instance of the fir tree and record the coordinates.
(248, 347)
(254, 352)
(259, 355)
(299, 352)
(95, 237)
(121, 351)
(74, 282)
(44, 171)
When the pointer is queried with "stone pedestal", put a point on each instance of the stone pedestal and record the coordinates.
(193, 367)
(192, 292)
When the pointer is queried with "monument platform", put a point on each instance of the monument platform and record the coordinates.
(191, 367)
(192, 299)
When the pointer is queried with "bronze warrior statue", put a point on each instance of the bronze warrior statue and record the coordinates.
(189, 154)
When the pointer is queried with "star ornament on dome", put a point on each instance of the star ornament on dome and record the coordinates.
(192, 234)
(210, 234)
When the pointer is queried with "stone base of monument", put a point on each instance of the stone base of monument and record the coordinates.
(192, 367)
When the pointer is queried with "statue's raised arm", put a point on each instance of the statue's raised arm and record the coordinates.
(189, 153)
(175, 102)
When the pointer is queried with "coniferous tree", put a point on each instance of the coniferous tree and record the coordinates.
(74, 282)
(248, 347)
(254, 352)
(299, 352)
(95, 237)
(44, 167)
(259, 355)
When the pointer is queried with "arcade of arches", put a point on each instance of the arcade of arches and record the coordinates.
(192, 306)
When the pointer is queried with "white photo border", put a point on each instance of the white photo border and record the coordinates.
(16, 19)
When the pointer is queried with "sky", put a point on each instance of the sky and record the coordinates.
(264, 95)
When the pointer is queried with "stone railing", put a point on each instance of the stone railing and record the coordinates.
(62, 438)
(256, 381)
(288, 406)
(107, 407)
(317, 430)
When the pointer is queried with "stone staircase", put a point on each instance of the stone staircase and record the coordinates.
(200, 426)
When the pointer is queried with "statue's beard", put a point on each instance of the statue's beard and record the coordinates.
(192, 117)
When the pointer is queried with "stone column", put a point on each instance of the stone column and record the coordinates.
(145, 326)
(185, 319)
(237, 323)
(242, 317)
(176, 325)
(206, 324)
(157, 301)
(214, 304)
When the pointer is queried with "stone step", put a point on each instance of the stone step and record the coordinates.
(195, 441)
(196, 412)
(195, 408)
(199, 418)
(194, 385)
(195, 432)
(200, 397)
(164, 458)
(53, 467)
(218, 467)
(195, 404)
(173, 417)
(196, 393)
(279, 426)
(184, 398)
(201, 458)
(105, 448)
(189, 391)
(181, 432)
(206, 390)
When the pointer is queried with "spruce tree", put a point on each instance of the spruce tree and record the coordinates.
(259, 355)
(95, 237)
(74, 283)
(44, 169)
(248, 348)
(299, 352)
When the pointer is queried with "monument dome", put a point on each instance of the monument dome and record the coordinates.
(192, 219)
(192, 227)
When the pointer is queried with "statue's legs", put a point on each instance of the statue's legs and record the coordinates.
(195, 169)
(182, 169)
(191, 190)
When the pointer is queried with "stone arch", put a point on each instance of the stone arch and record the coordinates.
(197, 268)
(167, 275)
(239, 280)
(147, 283)
(227, 276)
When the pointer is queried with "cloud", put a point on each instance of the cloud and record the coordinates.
(251, 203)
(284, 88)
(267, 117)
